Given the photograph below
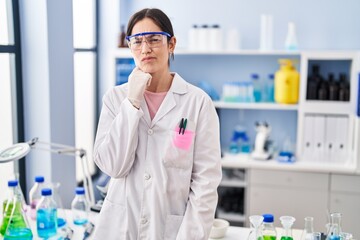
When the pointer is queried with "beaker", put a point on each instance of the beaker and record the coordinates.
(335, 227)
(256, 223)
(18, 227)
(287, 222)
(61, 214)
(316, 236)
(307, 234)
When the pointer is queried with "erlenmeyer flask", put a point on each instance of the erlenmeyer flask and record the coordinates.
(287, 222)
(256, 223)
(309, 229)
(17, 224)
(335, 227)
(61, 214)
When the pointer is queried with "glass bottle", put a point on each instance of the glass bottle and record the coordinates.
(122, 41)
(287, 222)
(46, 215)
(15, 224)
(307, 234)
(35, 195)
(269, 89)
(80, 207)
(269, 231)
(291, 40)
(61, 215)
(335, 227)
(256, 223)
(256, 87)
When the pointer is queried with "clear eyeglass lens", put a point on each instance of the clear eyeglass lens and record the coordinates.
(153, 41)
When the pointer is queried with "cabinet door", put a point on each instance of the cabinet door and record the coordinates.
(349, 205)
(289, 193)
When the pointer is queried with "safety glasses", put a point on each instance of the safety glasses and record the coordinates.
(152, 39)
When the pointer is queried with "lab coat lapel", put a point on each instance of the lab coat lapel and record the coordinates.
(178, 87)
(146, 115)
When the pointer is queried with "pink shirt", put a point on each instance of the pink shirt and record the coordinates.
(153, 101)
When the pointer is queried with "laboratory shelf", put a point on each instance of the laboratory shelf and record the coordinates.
(328, 107)
(230, 216)
(257, 106)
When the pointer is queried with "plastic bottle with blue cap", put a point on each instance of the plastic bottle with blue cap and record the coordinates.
(35, 195)
(80, 207)
(46, 215)
(269, 231)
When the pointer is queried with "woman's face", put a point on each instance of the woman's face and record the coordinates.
(151, 60)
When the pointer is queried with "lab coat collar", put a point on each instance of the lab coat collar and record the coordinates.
(178, 86)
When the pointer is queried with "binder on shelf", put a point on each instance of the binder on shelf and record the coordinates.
(341, 145)
(308, 140)
(330, 138)
(319, 138)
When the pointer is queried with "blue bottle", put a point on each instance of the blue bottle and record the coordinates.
(46, 215)
(269, 89)
(256, 87)
(80, 207)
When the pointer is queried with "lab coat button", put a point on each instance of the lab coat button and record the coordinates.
(147, 176)
(150, 131)
(143, 221)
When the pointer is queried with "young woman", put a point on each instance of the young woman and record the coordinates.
(158, 139)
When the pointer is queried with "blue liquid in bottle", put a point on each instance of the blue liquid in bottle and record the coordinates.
(46, 222)
(61, 222)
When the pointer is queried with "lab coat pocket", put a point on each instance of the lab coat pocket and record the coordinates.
(110, 223)
(179, 151)
(172, 226)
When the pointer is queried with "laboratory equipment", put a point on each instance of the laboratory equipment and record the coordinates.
(287, 83)
(307, 234)
(286, 154)
(256, 223)
(257, 88)
(46, 215)
(262, 134)
(287, 222)
(89, 227)
(346, 236)
(291, 42)
(20, 150)
(316, 236)
(15, 224)
(239, 141)
(61, 214)
(334, 229)
(269, 231)
(35, 195)
(266, 32)
(269, 89)
(80, 207)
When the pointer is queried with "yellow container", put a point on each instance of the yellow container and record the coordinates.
(286, 85)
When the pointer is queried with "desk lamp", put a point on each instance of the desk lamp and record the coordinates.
(20, 150)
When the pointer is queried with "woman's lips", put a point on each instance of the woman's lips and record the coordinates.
(147, 59)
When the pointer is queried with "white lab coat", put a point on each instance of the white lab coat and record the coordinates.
(157, 190)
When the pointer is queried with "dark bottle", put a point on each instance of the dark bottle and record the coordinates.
(122, 41)
(344, 92)
(333, 88)
(314, 81)
(323, 91)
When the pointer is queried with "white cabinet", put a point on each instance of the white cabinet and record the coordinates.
(297, 194)
(345, 198)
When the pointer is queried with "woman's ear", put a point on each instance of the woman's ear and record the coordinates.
(172, 44)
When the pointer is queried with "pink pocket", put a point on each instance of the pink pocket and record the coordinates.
(183, 141)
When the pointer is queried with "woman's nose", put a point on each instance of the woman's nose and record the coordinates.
(145, 47)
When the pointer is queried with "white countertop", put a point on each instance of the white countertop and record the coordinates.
(245, 161)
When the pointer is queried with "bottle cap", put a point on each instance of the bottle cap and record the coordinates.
(271, 76)
(46, 192)
(254, 76)
(80, 190)
(12, 183)
(268, 218)
(39, 179)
